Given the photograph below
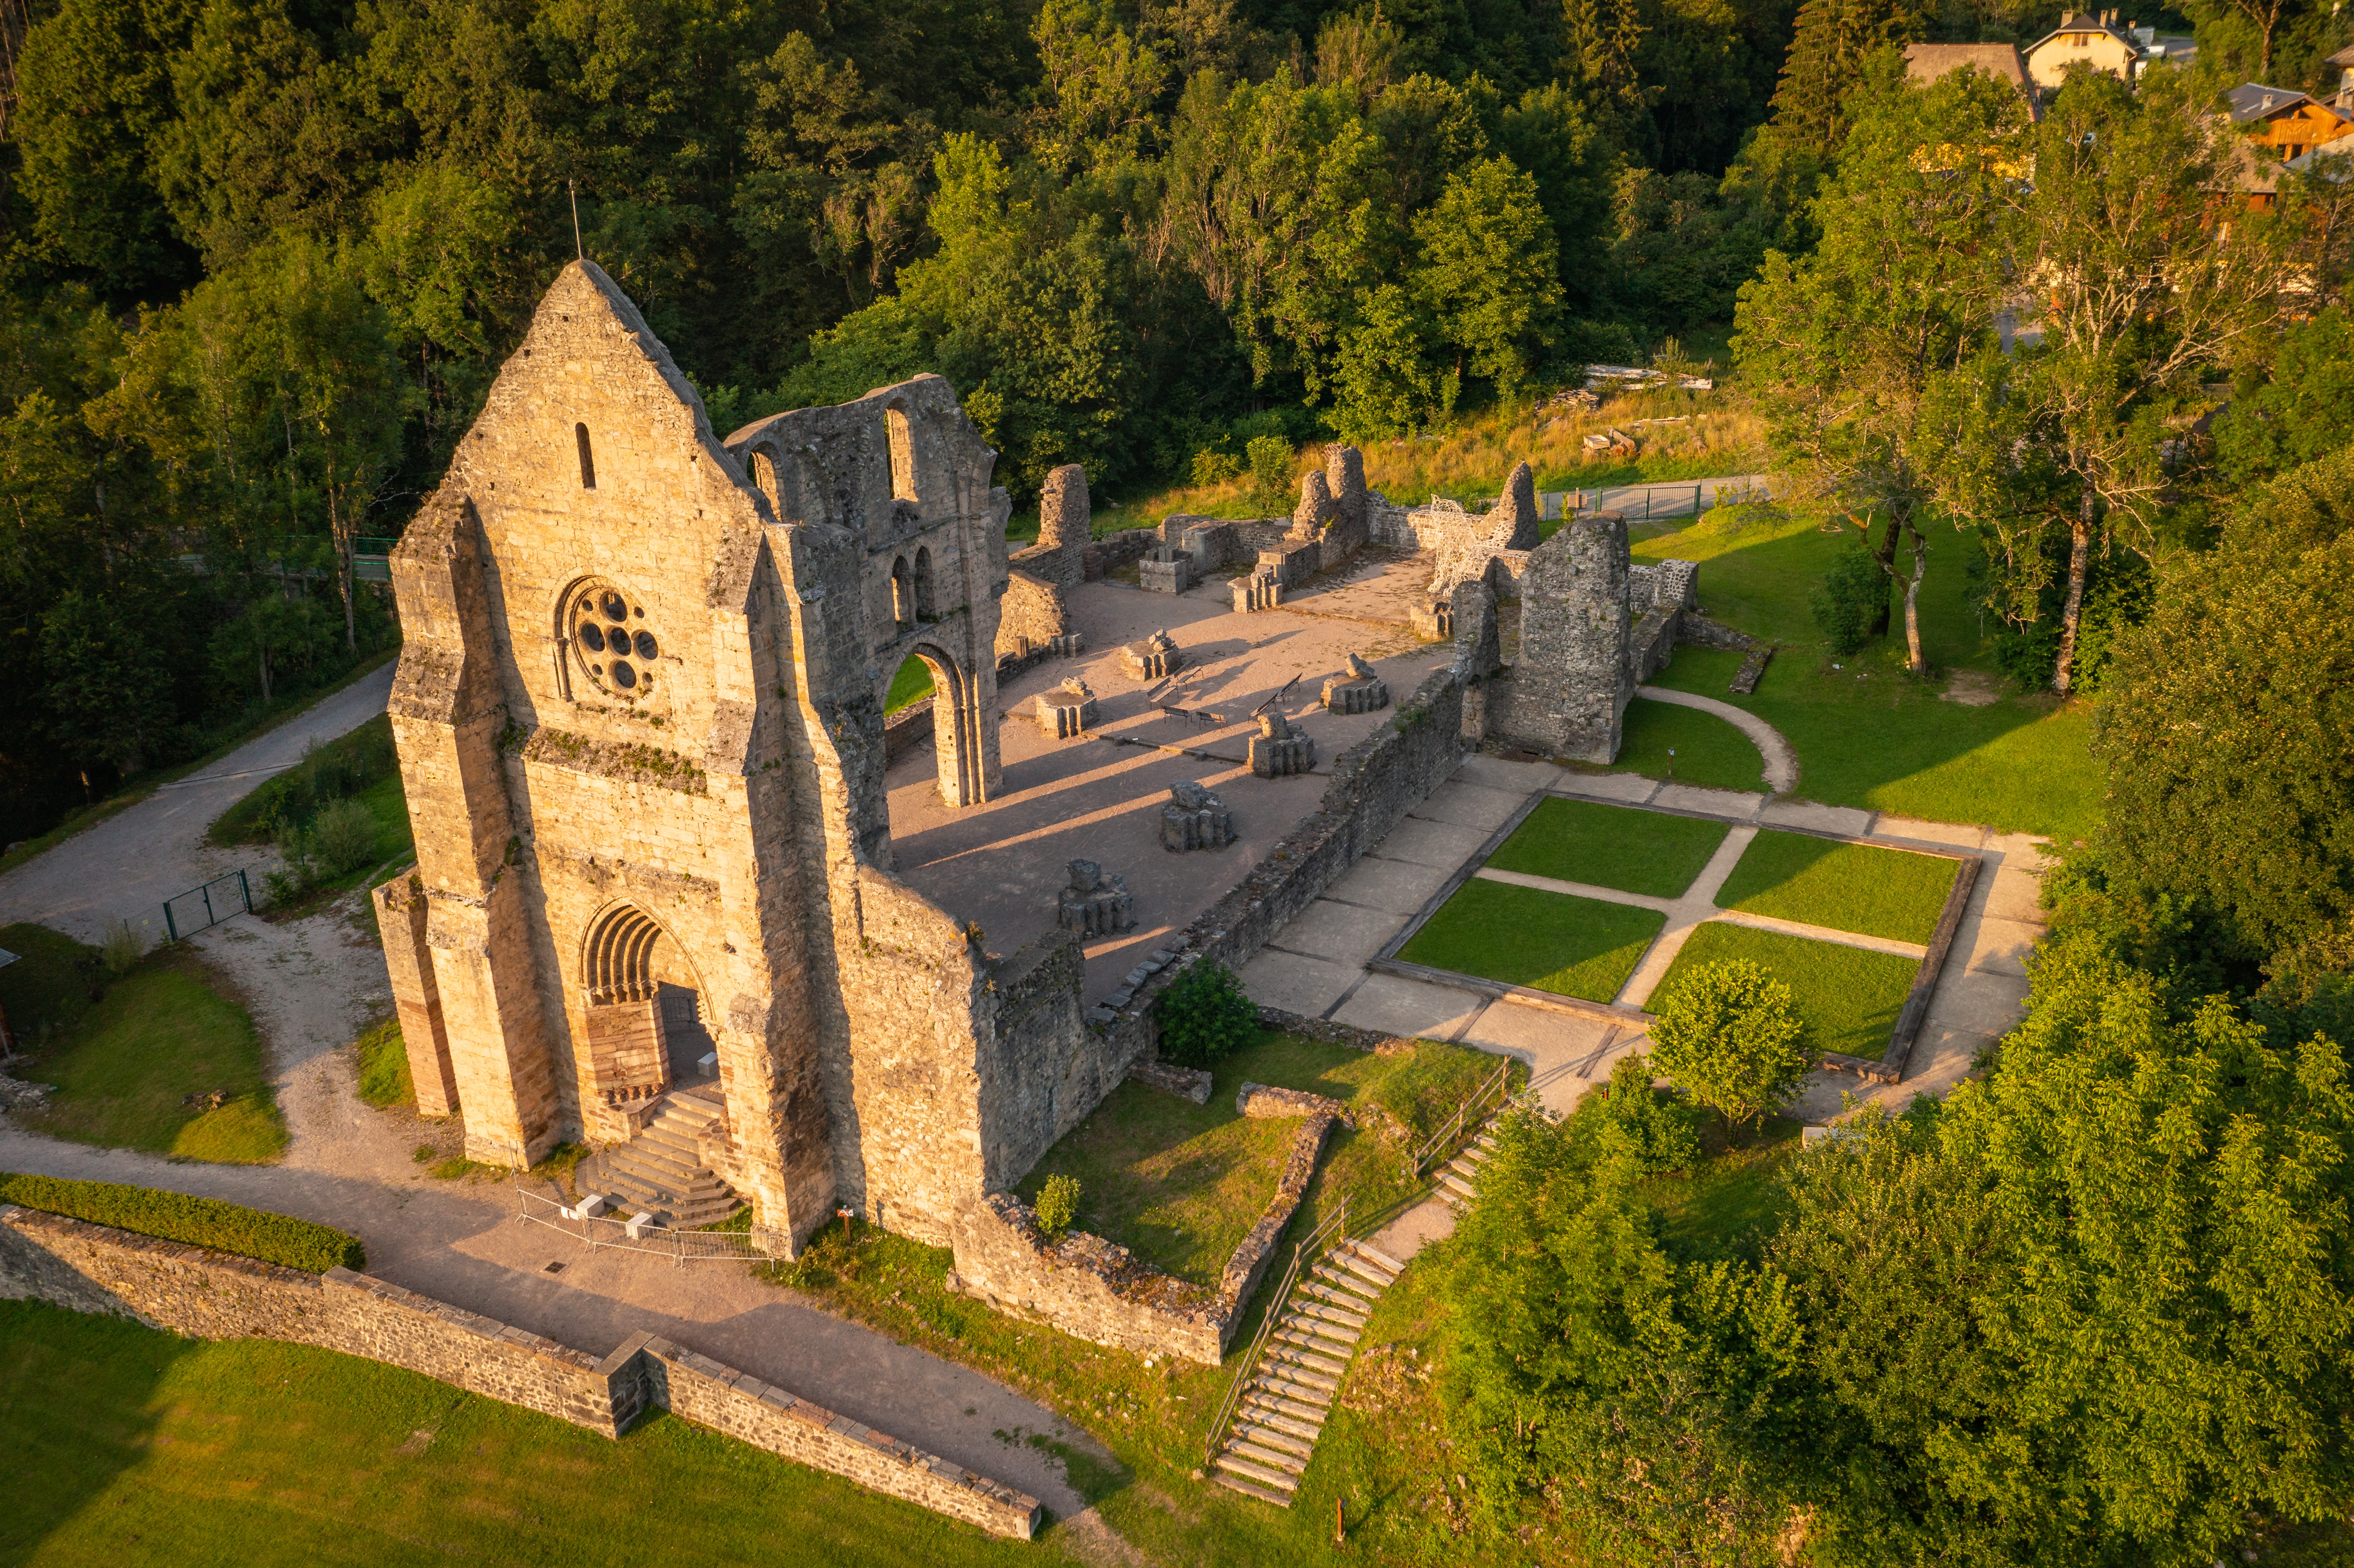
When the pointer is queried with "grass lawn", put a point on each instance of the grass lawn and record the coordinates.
(134, 1446)
(1180, 1184)
(1155, 1419)
(1850, 995)
(384, 1080)
(1729, 1203)
(1867, 733)
(51, 985)
(1525, 936)
(1662, 740)
(125, 1065)
(1611, 846)
(911, 684)
(1886, 893)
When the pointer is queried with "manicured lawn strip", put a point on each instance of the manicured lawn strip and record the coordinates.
(1180, 1184)
(1525, 936)
(383, 1078)
(135, 1447)
(1850, 995)
(1707, 750)
(1867, 733)
(1886, 893)
(1611, 846)
(198, 1221)
(161, 1033)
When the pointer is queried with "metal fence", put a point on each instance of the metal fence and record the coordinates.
(758, 1244)
(187, 912)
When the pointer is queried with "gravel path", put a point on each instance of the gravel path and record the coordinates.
(124, 868)
(313, 985)
(1781, 760)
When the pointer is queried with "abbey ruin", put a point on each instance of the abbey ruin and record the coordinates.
(680, 887)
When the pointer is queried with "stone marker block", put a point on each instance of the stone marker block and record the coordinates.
(1166, 568)
(1261, 591)
(1068, 711)
(1278, 749)
(1095, 904)
(1155, 659)
(1194, 819)
(1356, 691)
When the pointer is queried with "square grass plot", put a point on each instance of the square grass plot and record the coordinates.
(1850, 995)
(1649, 852)
(1525, 936)
(1886, 893)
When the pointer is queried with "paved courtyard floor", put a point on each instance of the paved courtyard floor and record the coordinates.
(1316, 965)
(1099, 797)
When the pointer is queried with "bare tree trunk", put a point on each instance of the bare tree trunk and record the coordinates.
(1886, 553)
(1912, 659)
(345, 543)
(2080, 559)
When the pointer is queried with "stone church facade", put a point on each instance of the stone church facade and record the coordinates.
(639, 712)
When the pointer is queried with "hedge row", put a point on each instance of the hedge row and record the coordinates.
(198, 1222)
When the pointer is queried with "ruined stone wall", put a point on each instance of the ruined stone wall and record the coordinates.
(1125, 548)
(906, 730)
(213, 1295)
(1572, 674)
(1033, 610)
(1045, 1070)
(401, 911)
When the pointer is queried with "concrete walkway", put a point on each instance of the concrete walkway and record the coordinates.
(1781, 760)
(124, 867)
(1316, 965)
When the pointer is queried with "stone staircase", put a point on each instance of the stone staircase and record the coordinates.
(660, 1171)
(1273, 1432)
(1459, 1177)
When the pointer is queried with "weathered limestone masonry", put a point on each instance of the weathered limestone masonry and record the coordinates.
(401, 909)
(1572, 679)
(213, 1295)
(639, 719)
(1100, 1291)
(1036, 612)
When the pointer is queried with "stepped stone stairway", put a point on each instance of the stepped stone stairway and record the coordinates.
(660, 1171)
(1277, 1421)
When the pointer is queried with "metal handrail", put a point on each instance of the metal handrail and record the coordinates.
(1425, 1156)
(1300, 1252)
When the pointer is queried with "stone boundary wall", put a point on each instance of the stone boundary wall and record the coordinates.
(1186, 1083)
(1113, 551)
(1332, 1033)
(1097, 1290)
(211, 1295)
(1265, 1101)
(908, 728)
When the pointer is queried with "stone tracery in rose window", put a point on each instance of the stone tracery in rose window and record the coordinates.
(612, 645)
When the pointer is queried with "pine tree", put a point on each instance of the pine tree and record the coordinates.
(1825, 63)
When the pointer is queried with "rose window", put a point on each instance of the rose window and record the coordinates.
(609, 637)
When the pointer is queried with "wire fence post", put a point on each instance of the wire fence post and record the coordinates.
(246, 888)
(171, 927)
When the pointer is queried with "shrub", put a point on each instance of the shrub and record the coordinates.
(120, 953)
(345, 835)
(1206, 1016)
(1058, 1205)
(1656, 1131)
(1269, 458)
(1850, 604)
(196, 1222)
(1731, 1037)
(327, 772)
(1213, 468)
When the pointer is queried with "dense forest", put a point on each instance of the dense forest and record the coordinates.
(261, 257)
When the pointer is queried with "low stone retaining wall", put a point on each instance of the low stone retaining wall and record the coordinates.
(1185, 1083)
(908, 728)
(210, 1295)
(1097, 1290)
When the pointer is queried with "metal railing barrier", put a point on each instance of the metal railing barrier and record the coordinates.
(1485, 1100)
(1323, 1239)
(758, 1244)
